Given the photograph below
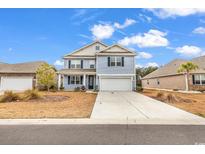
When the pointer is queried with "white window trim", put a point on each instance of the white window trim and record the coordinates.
(115, 61)
(97, 47)
(75, 77)
(91, 62)
(200, 79)
(75, 63)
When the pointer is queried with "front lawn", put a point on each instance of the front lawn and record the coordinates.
(51, 105)
(191, 102)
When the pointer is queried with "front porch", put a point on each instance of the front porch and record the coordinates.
(71, 80)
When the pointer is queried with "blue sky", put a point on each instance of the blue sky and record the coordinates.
(158, 35)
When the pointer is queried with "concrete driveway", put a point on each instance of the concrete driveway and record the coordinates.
(132, 105)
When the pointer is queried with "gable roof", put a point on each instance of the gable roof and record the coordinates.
(167, 70)
(27, 67)
(172, 67)
(116, 49)
(74, 53)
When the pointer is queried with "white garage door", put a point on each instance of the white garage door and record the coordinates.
(115, 84)
(17, 83)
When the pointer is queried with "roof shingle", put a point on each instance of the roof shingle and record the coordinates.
(172, 67)
(27, 67)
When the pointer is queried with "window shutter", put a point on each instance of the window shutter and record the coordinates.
(108, 61)
(68, 79)
(123, 61)
(69, 62)
(193, 79)
(81, 63)
(81, 79)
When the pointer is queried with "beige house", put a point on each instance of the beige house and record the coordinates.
(18, 77)
(167, 76)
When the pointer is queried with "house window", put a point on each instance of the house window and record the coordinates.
(75, 79)
(72, 79)
(158, 81)
(119, 61)
(199, 79)
(147, 81)
(92, 63)
(97, 47)
(203, 79)
(112, 61)
(75, 64)
(115, 61)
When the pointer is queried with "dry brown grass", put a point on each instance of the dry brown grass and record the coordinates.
(194, 103)
(77, 105)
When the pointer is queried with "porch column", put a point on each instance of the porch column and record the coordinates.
(59, 81)
(186, 82)
(84, 77)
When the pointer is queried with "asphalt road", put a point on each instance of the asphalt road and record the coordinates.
(102, 134)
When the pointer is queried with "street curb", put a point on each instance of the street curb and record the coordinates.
(99, 122)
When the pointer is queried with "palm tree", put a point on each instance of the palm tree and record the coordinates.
(187, 68)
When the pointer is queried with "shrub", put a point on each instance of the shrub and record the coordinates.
(159, 94)
(77, 89)
(82, 88)
(139, 89)
(9, 96)
(61, 87)
(171, 98)
(31, 94)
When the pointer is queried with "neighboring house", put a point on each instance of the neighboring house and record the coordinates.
(18, 77)
(99, 66)
(167, 76)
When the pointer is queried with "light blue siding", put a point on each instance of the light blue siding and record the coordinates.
(103, 68)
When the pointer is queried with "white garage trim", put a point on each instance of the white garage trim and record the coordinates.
(115, 75)
(16, 83)
(115, 83)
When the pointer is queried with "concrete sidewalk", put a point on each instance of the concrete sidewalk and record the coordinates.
(87, 121)
(132, 105)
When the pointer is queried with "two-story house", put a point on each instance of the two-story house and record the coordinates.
(99, 66)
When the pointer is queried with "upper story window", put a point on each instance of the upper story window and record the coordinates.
(97, 47)
(91, 63)
(112, 61)
(75, 64)
(199, 79)
(118, 61)
(115, 61)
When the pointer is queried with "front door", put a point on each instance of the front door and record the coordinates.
(90, 81)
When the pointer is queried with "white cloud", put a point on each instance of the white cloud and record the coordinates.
(152, 64)
(58, 63)
(202, 21)
(145, 18)
(102, 31)
(128, 22)
(143, 55)
(10, 49)
(199, 30)
(79, 13)
(85, 36)
(153, 38)
(190, 51)
(138, 66)
(174, 12)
